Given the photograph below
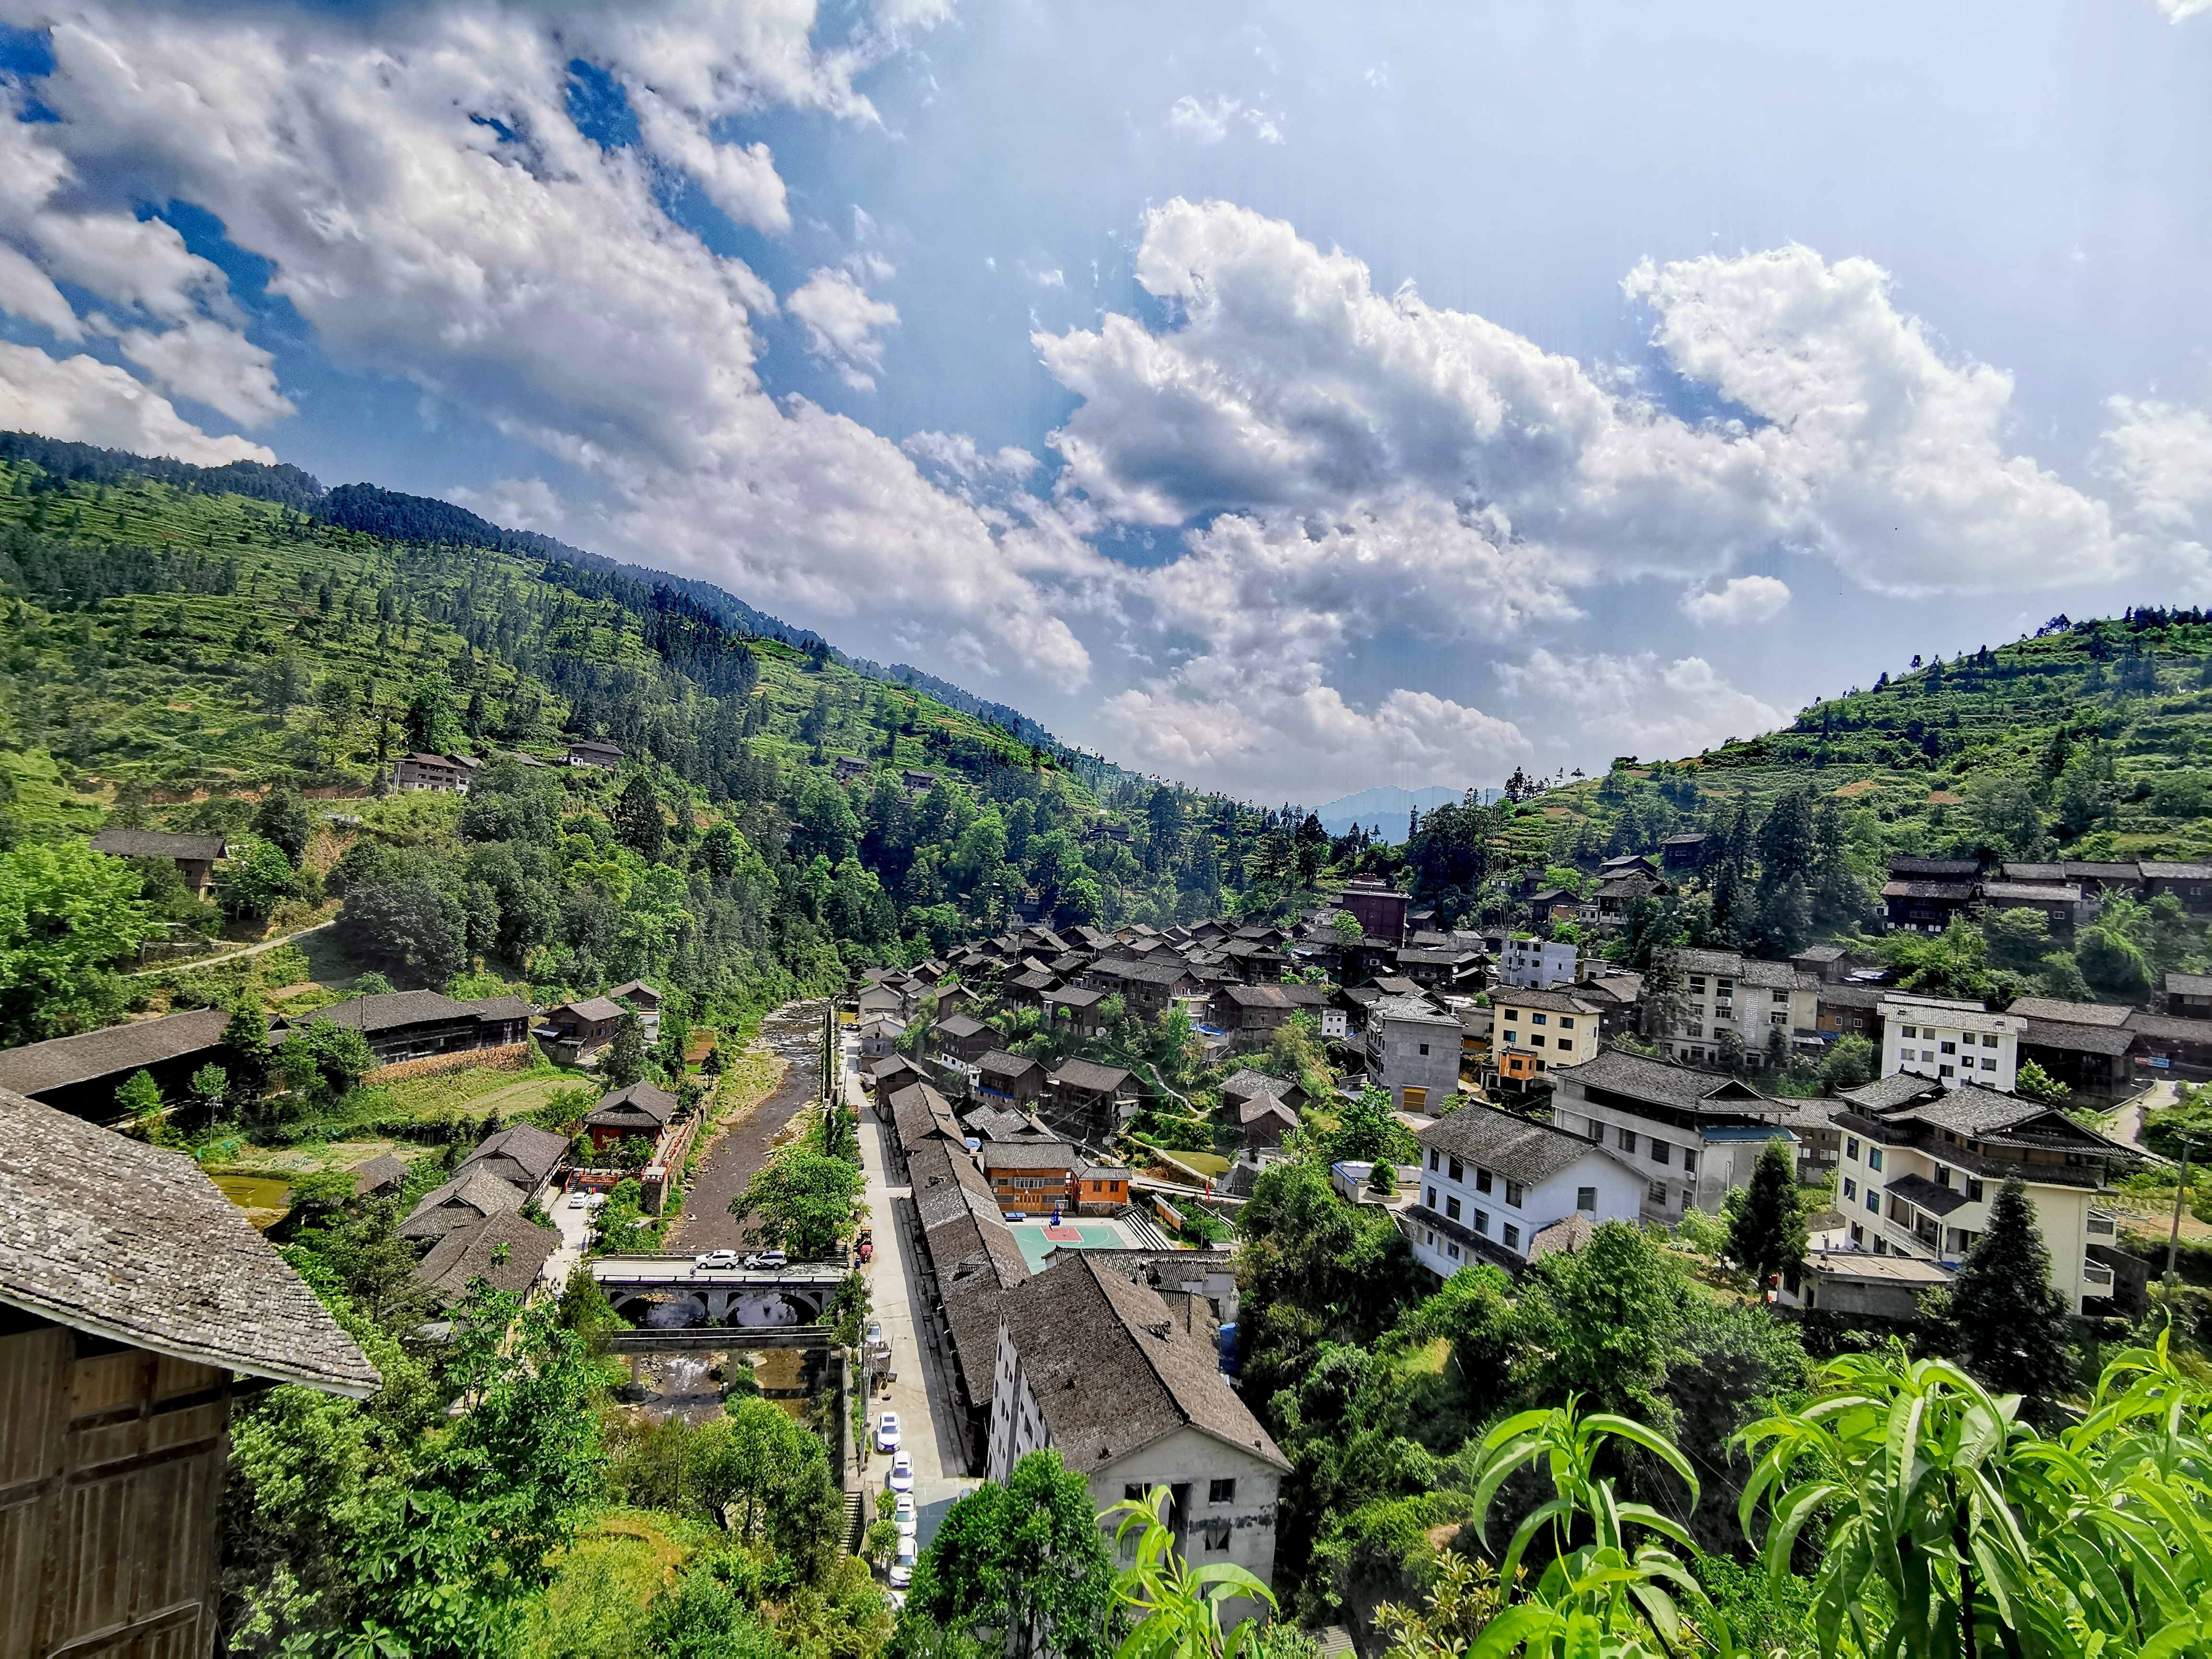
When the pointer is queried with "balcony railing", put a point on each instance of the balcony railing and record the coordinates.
(2096, 1276)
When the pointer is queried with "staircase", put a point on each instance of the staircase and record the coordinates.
(856, 1520)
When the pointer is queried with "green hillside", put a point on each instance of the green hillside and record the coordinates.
(182, 656)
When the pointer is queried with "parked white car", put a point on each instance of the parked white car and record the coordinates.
(902, 1573)
(887, 1432)
(714, 1261)
(901, 1479)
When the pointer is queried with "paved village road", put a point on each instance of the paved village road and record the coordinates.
(794, 1032)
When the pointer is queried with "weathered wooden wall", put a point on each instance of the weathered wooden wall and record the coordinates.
(111, 1464)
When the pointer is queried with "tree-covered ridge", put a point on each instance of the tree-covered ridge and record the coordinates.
(2085, 740)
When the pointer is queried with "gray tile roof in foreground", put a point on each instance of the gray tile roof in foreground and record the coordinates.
(1664, 1084)
(1114, 1371)
(111, 1051)
(471, 1252)
(105, 1235)
(1511, 1146)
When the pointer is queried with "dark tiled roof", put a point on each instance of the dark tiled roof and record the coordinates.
(1885, 1094)
(1242, 1086)
(638, 991)
(641, 1103)
(157, 844)
(2066, 1036)
(2189, 985)
(105, 1235)
(1414, 1009)
(111, 1051)
(1145, 973)
(919, 1112)
(1954, 869)
(1001, 1123)
(1958, 891)
(1029, 1155)
(387, 1170)
(1554, 1001)
(470, 1196)
(1513, 1146)
(471, 1252)
(491, 1009)
(2043, 892)
(1075, 996)
(2161, 869)
(2069, 1013)
(1261, 1106)
(999, 1063)
(1925, 1194)
(1662, 1082)
(960, 1026)
(522, 1152)
(1114, 1371)
(388, 1010)
(2169, 1028)
(590, 1010)
(1090, 1077)
(1039, 982)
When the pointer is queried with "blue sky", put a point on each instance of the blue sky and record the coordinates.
(1287, 398)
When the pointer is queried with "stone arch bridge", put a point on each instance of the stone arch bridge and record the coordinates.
(737, 1297)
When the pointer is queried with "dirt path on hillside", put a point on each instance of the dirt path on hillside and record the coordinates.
(741, 1147)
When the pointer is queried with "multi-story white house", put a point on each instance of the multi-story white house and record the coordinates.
(1535, 964)
(1953, 1042)
(1724, 991)
(1414, 1052)
(1129, 1390)
(1922, 1157)
(1694, 1135)
(1491, 1182)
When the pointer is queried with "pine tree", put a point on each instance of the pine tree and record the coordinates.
(2000, 1316)
(637, 817)
(623, 1062)
(1766, 1230)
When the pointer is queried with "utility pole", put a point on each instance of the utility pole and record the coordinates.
(2174, 1239)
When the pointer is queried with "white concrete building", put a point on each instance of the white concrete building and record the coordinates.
(1535, 965)
(1922, 1157)
(1129, 1390)
(1953, 1042)
(1723, 992)
(1490, 1181)
(1694, 1135)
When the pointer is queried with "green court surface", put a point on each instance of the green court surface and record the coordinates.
(1095, 1235)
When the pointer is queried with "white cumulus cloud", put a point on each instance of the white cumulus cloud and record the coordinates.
(1210, 120)
(1742, 600)
(844, 325)
(2161, 456)
(431, 209)
(86, 401)
(1634, 704)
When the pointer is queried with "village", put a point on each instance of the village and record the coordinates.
(1044, 1229)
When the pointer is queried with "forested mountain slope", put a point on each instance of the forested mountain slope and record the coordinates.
(179, 650)
(2087, 740)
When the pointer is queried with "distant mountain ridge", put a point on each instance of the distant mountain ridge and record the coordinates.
(374, 511)
(1384, 809)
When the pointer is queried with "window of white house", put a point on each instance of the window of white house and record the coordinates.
(1874, 1199)
(1988, 1065)
(1432, 1198)
(1537, 1020)
(1948, 1070)
(1452, 1251)
(1913, 1031)
(1659, 1150)
(1586, 1198)
(1628, 1138)
(1689, 1161)
(1424, 1047)
(1850, 1188)
(1850, 1149)
(1950, 1047)
(1456, 1170)
(1989, 1041)
(1973, 1190)
(1566, 1022)
(1694, 1029)
(1873, 1158)
(1482, 1223)
(1657, 1194)
(1451, 1209)
(1513, 1191)
(1432, 1159)
(1481, 1179)
(1512, 1013)
(1221, 1491)
(1512, 1239)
